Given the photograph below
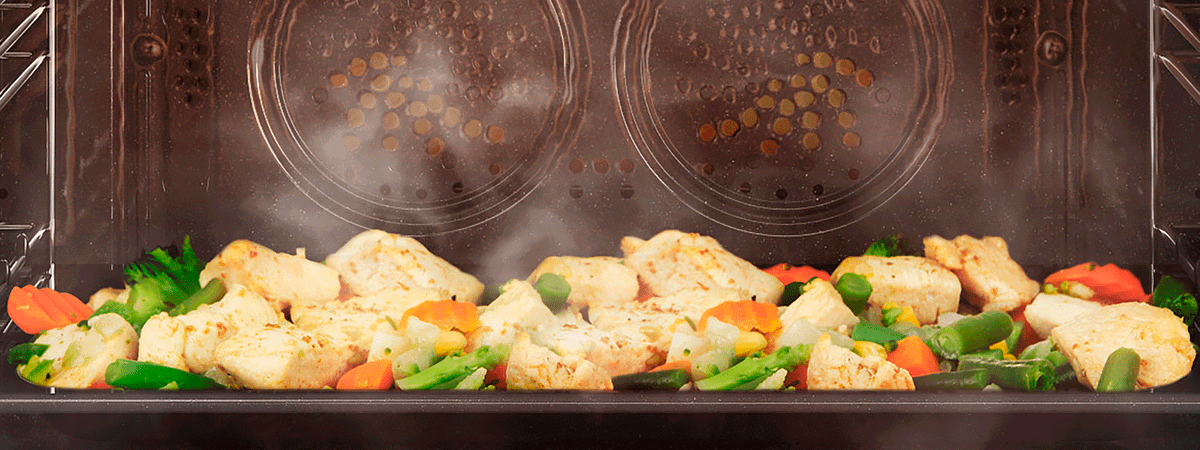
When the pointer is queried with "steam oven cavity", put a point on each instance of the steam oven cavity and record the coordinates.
(419, 117)
(783, 117)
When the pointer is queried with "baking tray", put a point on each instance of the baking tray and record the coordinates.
(1021, 119)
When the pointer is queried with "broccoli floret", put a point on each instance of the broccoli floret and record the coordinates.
(157, 282)
(1172, 295)
(888, 246)
(450, 371)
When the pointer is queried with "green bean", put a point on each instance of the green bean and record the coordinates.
(879, 334)
(791, 292)
(971, 333)
(1027, 375)
(670, 380)
(855, 290)
(554, 290)
(991, 353)
(1014, 338)
(21, 353)
(1120, 371)
(973, 379)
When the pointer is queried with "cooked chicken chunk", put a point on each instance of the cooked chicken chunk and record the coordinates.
(517, 309)
(108, 338)
(1051, 310)
(908, 281)
(616, 353)
(375, 260)
(532, 366)
(673, 262)
(832, 367)
(281, 278)
(105, 295)
(284, 357)
(820, 305)
(990, 278)
(1158, 336)
(188, 342)
(599, 281)
(655, 320)
(356, 319)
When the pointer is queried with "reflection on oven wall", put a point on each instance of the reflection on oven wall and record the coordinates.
(515, 133)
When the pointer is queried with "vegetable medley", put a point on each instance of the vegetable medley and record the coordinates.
(678, 311)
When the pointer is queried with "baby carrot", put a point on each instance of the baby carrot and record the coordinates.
(913, 355)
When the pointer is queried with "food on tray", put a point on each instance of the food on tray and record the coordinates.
(678, 312)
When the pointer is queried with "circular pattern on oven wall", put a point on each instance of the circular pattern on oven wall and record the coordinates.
(783, 118)
(418, 117)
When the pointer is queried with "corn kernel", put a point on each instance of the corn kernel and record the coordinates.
(449, 342)
(866, 348)
(749, 342)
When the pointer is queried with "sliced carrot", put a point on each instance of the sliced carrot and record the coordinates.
(375, 375)
(787, 273)
(446, 314)
(913, 355)
(53, 310)
(1111, 284)
(81, 310)
(26, 313)
(747, 315)
(682, 364)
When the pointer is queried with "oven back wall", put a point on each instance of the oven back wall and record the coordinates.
(503, 133)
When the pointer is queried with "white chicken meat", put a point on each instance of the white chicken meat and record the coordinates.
(285, 357)
(836, 368)
(531, 366)
(375, 260)
(518, 309)
(990, 279)
(188, 342)
(1157, 335)
(599, 281)
(1048, 311)
(283, 279)
(81, 356)
(908, 281)
(673, 262)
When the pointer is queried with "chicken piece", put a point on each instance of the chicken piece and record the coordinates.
(599, 281)
(188, 342)
(832, 367)
(517, 309)
(617, 354)
(357, 319)
(673, 262)
(375, 260)
(283, 279)
(908, 281)
(284, 357)
(1158, 336)
(990, 278)
(655, 320)
(531, 366)
(105, 295)
(821, 306)
(107, 339)
(1051, 310)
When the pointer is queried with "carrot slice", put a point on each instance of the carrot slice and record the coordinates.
(747, 315)
(1111, 284)
(446, 314)
(682, 364)
(52, 309)
(26, 313)
(913, 355)
(375, 375)
(787, 273)
(80, 310)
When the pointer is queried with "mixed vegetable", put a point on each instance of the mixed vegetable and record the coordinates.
(677, 312)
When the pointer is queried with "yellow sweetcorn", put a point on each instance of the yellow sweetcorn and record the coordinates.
(749, 342)
(866, 348)
(1003, 347)
(906, 313)
(449, 342)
